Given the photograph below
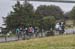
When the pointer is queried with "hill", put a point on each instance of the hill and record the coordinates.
(52, 42)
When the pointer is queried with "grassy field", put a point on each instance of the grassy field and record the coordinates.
(52, 42)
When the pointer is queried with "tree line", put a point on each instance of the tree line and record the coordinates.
(43, 17)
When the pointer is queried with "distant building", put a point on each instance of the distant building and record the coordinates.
(0, 30)
(3, 29)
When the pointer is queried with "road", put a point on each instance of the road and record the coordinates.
(69, 31)
(7, 39)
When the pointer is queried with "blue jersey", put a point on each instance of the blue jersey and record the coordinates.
(17, 30)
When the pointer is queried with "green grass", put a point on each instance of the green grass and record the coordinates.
(53, 42)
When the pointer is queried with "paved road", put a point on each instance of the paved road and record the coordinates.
(69, 31)
(7, 39)
(3, 39)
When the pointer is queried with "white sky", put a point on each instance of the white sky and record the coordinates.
(6, 7)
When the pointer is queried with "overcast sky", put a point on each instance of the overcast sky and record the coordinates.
(6, 7)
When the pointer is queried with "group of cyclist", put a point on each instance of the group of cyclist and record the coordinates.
(59, 27)
(34, 31)
(26, 31)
